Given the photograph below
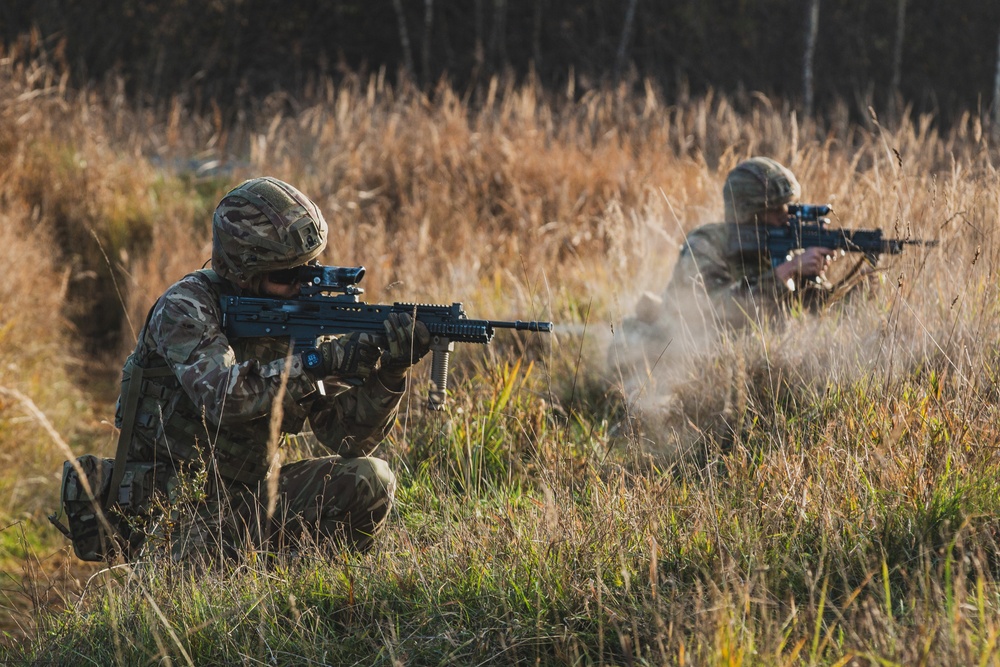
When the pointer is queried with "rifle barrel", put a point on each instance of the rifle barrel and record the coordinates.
(520, 325)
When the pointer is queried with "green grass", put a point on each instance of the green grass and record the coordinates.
(805, 553)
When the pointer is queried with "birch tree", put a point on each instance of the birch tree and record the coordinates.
(626, 38)
(404, 36)
(897, 58)
(812, 31)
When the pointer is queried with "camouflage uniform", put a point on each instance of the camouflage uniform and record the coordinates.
(715, 285)
(216, 409)
(206, 404)
(729, 288)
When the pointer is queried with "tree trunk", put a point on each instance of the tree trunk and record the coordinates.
(536, 34)
(897, 59)
(425, 48)
(996, 97)
(404, 37)
(812, 30)
(479, 53)
(498, 38)
(626, 38)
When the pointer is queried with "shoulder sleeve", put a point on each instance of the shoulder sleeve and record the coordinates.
(185, 328)
(702, 263)
(706, 270)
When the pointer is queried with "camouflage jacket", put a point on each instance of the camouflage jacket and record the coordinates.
(216, 401)
(715, 286)
(739, 288)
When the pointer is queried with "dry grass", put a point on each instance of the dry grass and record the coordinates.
(834, 499)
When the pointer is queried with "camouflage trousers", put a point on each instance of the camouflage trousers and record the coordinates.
(325, 503)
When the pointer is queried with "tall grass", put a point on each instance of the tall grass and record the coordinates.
(818, 493)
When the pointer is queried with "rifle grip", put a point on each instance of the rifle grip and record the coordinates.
(441, 349)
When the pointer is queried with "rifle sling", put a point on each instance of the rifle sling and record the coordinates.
(853, 272)
(136, 375)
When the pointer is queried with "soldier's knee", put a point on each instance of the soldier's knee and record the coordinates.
(378, 474)
(374, 488)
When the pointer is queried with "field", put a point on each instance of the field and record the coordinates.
(822, 492)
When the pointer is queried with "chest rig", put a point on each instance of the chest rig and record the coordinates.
(160, 422)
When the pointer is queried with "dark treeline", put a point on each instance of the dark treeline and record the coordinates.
(941, 57)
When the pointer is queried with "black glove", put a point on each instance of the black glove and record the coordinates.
(408, 341)
(350, 358)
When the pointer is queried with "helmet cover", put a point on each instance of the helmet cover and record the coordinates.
(755, 185)
(262, 225)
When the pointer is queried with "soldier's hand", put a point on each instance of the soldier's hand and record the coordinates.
(351, 358)
(408, 340)
(810, 263)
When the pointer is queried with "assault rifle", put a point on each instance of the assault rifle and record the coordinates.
(328, 304)
(808, 228)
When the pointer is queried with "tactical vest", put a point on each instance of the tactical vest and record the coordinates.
(165, 425)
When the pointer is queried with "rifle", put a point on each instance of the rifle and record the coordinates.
(807, 228)
(328, 304)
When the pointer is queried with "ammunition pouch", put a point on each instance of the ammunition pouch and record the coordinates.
(104, 522)
(153, 409)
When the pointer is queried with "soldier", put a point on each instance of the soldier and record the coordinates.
(201, 406)
(714, 287)
(739, 286)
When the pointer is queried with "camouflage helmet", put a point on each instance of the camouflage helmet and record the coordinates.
(756, 185)
(262, 225)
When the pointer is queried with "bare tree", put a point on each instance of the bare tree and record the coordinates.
(626, 38)
(425, 48)
(897, 57)
(404, 36)
(812, 30)
(479, 56)
(536, 33)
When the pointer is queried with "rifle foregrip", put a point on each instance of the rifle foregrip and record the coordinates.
(441, 354)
